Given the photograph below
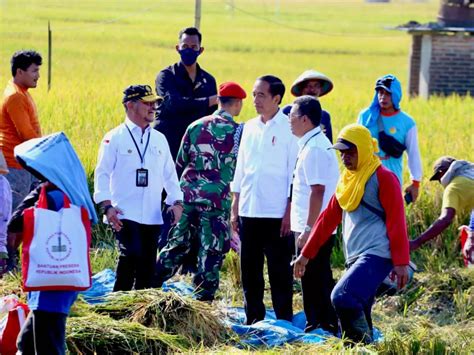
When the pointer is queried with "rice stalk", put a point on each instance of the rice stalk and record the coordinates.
(95, 334)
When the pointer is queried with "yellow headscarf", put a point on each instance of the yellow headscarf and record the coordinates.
(351, 185)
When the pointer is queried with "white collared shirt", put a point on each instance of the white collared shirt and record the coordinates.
(115, 173)
(316, 165)
(265, 164)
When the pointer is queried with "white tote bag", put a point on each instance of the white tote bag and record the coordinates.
(56, 247)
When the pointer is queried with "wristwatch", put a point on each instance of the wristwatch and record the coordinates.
(307, 228)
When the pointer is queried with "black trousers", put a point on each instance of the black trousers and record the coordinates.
(317, 285)
(43, 333)
(260, 238)
(138, 245)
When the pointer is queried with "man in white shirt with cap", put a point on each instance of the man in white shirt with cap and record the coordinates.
(133, 167)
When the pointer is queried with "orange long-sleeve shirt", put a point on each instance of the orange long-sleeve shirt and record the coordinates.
(18, 121)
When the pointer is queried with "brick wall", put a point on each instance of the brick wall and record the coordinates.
(451, 67)
(414, 65)
(452, 64)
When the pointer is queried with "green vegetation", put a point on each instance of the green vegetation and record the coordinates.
(100, 47)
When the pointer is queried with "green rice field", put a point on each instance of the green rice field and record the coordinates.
(102, 46)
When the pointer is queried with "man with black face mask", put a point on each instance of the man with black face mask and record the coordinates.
(188, 92)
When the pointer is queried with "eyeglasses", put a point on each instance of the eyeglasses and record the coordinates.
(291, 116)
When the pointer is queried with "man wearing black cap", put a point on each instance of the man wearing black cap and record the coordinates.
(133, 167)
(206, 163)
(457, 178)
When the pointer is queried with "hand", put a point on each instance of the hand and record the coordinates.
(302, 239)
(468, 250)
(414, 244)
(234, 213)
(401, 273)
(285, 225)
(299, 266)
(235, 243)
(212, 100)
(177, 212)
(113, 219)
(413, 190)
(234, 222)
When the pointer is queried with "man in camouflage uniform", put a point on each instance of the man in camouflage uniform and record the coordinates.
(206, 161)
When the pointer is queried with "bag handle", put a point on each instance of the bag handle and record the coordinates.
(43, 199)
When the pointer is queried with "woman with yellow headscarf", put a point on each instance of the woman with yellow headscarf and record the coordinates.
(368, 201)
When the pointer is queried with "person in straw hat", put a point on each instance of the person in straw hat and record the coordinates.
(315, 84)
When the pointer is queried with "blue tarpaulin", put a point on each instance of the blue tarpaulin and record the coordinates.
(54, 158)
(268, 332)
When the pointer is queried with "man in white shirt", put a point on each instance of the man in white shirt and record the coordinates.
(261, 187)
(314, 182)
(133, 167)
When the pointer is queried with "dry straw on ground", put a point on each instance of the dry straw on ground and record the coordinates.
(200, 323)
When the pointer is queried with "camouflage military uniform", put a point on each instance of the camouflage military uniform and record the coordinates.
(207, 161)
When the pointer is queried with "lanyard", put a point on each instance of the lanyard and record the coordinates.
(142, 157)
(304, 145)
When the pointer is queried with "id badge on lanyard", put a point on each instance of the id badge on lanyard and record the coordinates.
(141, 177)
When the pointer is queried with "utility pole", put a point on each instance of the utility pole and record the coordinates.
(197, 14)
(50, 50)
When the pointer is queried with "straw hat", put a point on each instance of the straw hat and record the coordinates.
(327, 84)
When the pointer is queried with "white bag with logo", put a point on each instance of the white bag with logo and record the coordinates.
(56, 247)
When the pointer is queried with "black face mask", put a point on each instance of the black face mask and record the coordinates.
(189, 56)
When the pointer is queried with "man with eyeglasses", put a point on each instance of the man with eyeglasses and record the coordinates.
(133, 168)
(395, 131)
(314, 182)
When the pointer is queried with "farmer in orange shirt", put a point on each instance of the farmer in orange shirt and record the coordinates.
(19, 118)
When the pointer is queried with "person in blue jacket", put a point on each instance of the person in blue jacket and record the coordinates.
(395, 131)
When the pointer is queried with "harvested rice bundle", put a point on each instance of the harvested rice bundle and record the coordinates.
(97, 334)
(197, 321)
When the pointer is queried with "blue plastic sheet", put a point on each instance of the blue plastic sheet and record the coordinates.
(54, 158)
(268, 332)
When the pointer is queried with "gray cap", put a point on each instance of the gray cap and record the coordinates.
(440, 166)
(342, 144)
